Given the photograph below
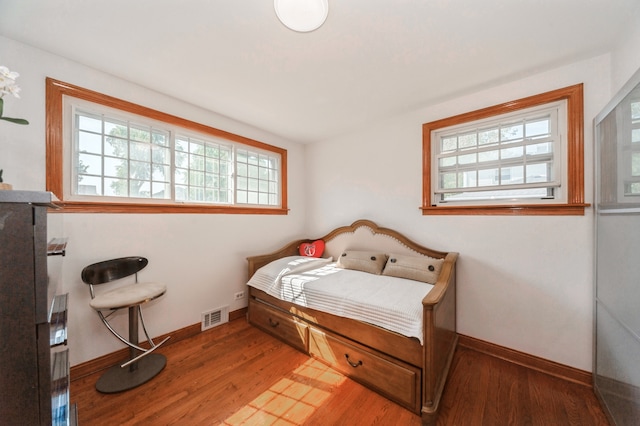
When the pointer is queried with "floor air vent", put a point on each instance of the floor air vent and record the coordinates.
(214, 317)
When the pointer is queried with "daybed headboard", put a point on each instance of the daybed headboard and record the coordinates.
(366, 235)
(360, 235)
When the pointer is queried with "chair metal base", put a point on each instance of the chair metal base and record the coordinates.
(119, 379)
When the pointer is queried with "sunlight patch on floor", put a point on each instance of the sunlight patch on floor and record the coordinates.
(291, 400)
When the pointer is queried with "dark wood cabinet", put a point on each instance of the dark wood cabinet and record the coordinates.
(25, 304)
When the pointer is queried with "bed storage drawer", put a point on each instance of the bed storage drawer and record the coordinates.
(285, 327)
(396, 380)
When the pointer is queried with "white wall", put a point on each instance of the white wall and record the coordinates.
(625, 58)
(201, 257)
(524, 282)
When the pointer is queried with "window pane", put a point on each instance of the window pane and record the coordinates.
(139, 170)
(511, 152)
(512, 175)
(469, 179)
(467, 141)
(196, 178)
(448, 180)
(181, 159)
(196, 194)
(140, 133)
(511, 133)
(635, 164)
(181, 176)
(115, 187)
(253, 184)
(181, 193)
(196, 147)
(89, 185)
(449, 144)
(161, 174)
(89, 123)
(89, 142)
(486, 137)
(91, 164)
(539, 148)
(538, 173)
(116, 147)
(488, 156)
(242, 183)
(140, 151)
(160, 138)
(467, 159)
(160, 190)
(633, 188)
(488, 177)
(448, 161)
(196, 162)
(140, 189)
(635, 111)
(116, 167)
(537, 128)
(116, 128)
(161, 155)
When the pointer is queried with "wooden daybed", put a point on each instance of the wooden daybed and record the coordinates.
(399, 367)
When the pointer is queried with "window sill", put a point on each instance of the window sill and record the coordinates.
(92, 207)
(509, 210)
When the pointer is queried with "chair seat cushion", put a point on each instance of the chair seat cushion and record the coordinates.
(129, 295)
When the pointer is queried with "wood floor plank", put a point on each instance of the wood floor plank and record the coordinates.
(235, 374)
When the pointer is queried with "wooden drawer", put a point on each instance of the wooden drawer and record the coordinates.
(285, 327)
(396, 380)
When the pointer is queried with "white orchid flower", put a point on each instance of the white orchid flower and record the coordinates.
(8, 82)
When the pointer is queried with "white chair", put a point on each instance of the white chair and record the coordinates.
(142, 364)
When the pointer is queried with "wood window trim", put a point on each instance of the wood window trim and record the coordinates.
(575, 204)
(55, 90)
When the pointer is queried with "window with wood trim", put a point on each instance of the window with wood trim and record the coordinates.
(109, 155)
(520, 157)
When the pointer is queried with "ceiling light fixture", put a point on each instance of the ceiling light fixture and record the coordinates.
(302, 15)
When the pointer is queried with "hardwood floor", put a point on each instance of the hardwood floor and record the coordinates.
(236, 374)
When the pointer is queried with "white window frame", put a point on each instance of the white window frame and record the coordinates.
(550, 191)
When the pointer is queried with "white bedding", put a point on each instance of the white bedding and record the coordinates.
(388, 302)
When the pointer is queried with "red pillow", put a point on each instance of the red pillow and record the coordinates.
(314, 249)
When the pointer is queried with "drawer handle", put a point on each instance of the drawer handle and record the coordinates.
(273, 324)
(353, 364)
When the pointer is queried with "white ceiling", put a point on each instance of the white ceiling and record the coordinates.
(372, 58)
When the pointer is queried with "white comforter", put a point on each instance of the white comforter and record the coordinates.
(388, 302)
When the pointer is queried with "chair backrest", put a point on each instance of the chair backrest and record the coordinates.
(114, 269)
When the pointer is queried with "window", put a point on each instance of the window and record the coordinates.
(108, 155)
(630, 153)
(618, 149)
(522, 157)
